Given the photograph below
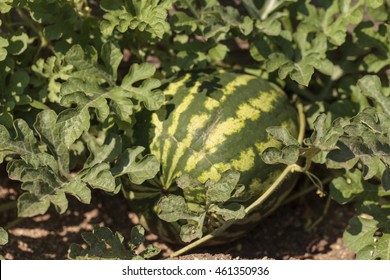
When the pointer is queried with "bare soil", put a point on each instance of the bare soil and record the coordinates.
(283, 235)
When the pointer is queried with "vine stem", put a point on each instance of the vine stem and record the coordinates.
(267, 8)
(32, 25)
(192, 9)
(290, 168)
(324, 212)
(44, 42)
(13, 223)
(305, 191)
(302, 122)
(251, 9)
(7, 206)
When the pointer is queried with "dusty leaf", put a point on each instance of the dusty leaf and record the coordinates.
(286, 155)
(282, 134)
(231, 211)
(137, 168)
(360, 233)
(222, 190)
(378, 250)
(173, 208)
(99, 176)
(191, 231)
(3, 236)
(30, 205)
(104, 244)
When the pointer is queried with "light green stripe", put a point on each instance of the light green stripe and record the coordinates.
(246, 111)
(197, 122)
(211, 104)
(186, 102)
(174, 87)
(264, 101)
(231, 87)
(218, 135)
(245, 161)
(155, 147)
(164, 158)
(193, 160)
(212, 174)
(262, 145)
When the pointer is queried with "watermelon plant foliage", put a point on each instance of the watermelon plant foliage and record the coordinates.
(106, 245)
(77, 76)
(213, 202)
(3, 239)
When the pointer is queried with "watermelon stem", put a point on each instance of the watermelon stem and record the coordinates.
(305, 191)
(8, 206)
(192, 9)
(325, 211)
(289, 169)
(13, 223)
(302, 122)
(229, 223)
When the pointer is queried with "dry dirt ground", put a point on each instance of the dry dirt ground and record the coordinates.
(283, 235)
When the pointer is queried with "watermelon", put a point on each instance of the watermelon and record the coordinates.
(211, 123)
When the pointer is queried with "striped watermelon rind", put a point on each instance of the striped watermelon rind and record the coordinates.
(214, 122)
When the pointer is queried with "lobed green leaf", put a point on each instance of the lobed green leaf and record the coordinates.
(146, 16)
(99, 176)
(3, 45)
(137, 169)
(221, 191)
(202, 205)
(371, 87)
(86, 90)
(172, 208)
(103, 244)
(360, 233)
(3, 236)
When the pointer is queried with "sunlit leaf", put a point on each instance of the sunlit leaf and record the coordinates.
(3, 236)
(104, 244)
(137, 169)
(144, 15)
